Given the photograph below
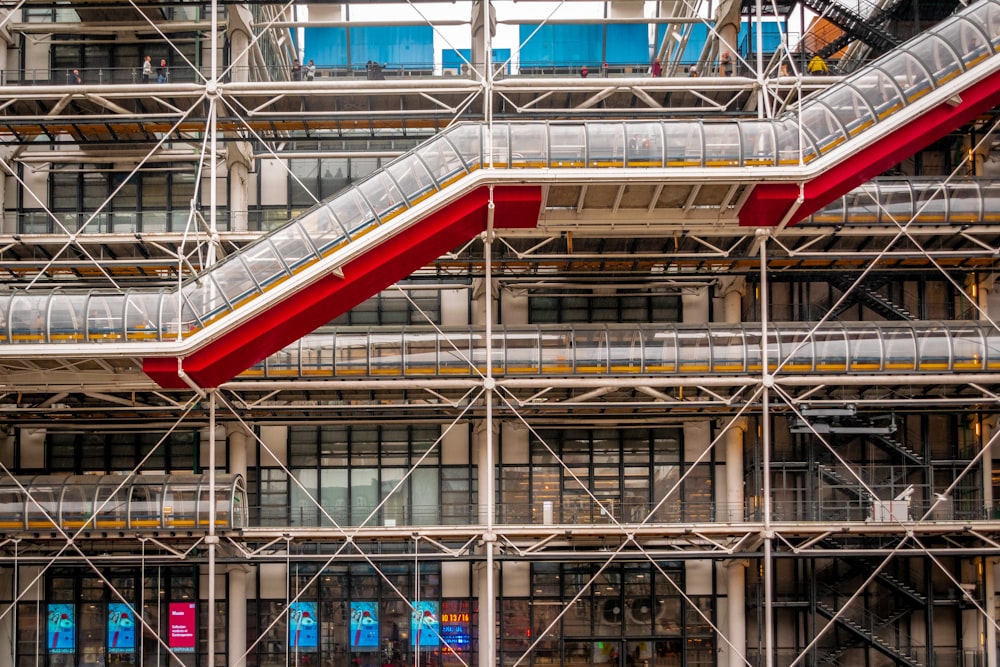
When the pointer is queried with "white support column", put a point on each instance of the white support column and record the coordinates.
(694, 305)
(990, 604)
(236, 601)
(237, 442)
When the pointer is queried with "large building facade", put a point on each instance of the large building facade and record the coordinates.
(327, 341)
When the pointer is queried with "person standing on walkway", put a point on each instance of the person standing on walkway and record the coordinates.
(147, 69)
(310, 70)
(161, 71)
(817, 66)
(296, 70)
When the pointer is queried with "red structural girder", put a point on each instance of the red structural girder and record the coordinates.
(770, 203)
(235, 350)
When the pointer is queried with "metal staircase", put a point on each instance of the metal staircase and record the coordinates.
(869, 295)
(868, 627)
(853, 24)
(877, 20)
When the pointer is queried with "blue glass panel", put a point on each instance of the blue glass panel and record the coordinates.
(396, 47)
(326, 46)
(563, 45)
(627, 44)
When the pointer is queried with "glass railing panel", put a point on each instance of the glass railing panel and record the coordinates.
(351, 354)
(67, 317)
(144, 507)
(27, 317)
(76, 506)
(987, 16)
(442, 161)
(758, 143)
(693, 348)
(937, 57)
(992, 348)
(314, 356)
(468, 141)
(607, 144)
(790, 137)
(170, 322)
(796, 354)
(353, 213)
(11, 508)
(659, 350)
(830, 351)
(456, 354)
(900, 347)
(879, 91)
(523, 350)
(861, 206)
(420, 353)
(866, 351)
(142, 315)
(414, 180)
(934, 349)
(683, 144)
(822, 125)
(205, 299)
(625, 350)
(293, 247)
(591, 350)
(851, 109)
(324, 231)
(529, 145)
(728, 352)
(990, 192)
(967, 348)
(264, 264)
(557, 351)
(967, 39)
(645, 145)
(501, 145)
(111, 507)
(234, 279)
(105, 317)
(386, 354)
(964, 203)
(908, 74)
(42, 508)
(383, 196)
(722, 144)
(897, 203)
(931, 204)
(833, 213)
(567, 145)
(179, 506)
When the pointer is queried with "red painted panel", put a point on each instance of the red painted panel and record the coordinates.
(315, 305)
(768, 204)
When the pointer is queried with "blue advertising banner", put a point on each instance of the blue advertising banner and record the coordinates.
(62, 628)
(364, 626)
(121, 628)
(303, 630)
(424, 626)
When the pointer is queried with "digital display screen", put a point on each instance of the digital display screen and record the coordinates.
(62, 628)
(364, 626)
(183, 627)
(121, 628)
(455, 630)
(303, 630)
(424, 627)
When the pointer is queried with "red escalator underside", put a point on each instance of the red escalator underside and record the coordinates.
(769, 203)
(316, 304)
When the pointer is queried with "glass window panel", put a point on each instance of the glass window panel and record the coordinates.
(413, 178)
(722, 144)
(606, 145)
(568, 146)
(683, 144)
(822, 125)
(758, 143)
(528, 145)
(645, 145)
(936, 56)
(908, 75)
(383, 195)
